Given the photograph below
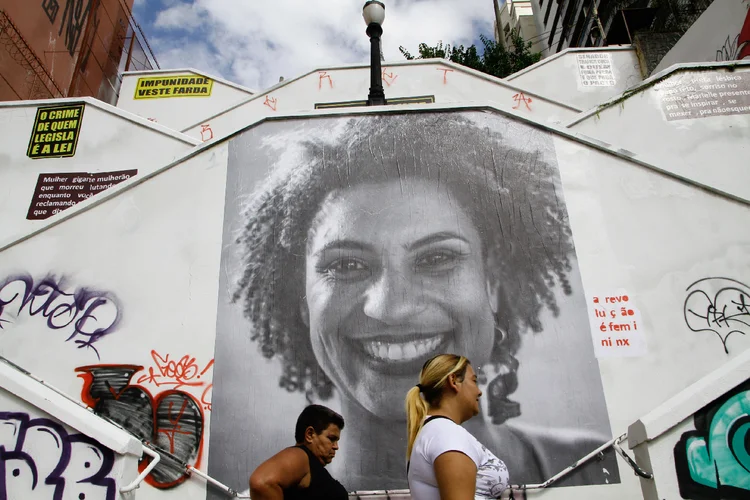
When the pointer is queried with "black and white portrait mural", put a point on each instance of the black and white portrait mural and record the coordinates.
(357, 247)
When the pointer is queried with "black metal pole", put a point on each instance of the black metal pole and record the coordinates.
(377, 95)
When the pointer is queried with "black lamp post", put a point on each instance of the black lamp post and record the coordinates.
(374, 14)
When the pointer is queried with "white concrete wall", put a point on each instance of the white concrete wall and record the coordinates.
(132, 281)
(151, 250)
(711, 150)
(64, 460)
(651, 236)
(179, 113)
(109, 141)
(558, 77)
(713, 37)
(447, 82)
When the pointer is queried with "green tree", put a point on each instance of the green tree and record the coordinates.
(495, 60)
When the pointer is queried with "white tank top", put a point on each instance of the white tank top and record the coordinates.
(440, 435)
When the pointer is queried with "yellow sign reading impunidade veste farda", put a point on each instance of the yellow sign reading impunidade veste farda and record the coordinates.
(158, 87)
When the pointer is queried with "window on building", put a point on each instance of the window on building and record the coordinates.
(546, 15)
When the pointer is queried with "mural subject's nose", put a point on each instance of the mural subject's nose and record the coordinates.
(392, 299)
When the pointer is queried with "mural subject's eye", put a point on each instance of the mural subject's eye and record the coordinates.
(347, 269)
(437, 261)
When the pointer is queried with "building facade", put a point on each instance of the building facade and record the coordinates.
(517, 15)
(596, 23)
(68, 48)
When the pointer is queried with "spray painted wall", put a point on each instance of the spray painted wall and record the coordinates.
(56, 155)
(692, 113)
(582, 78)
(157, 258)
(41, 459)
(178, 99)
(116, 307)
(722, 33)
(696, 441)
(441, 82)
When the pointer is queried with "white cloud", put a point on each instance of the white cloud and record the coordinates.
(253, 42)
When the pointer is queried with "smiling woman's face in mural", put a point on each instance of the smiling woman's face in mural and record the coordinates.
(395, 274)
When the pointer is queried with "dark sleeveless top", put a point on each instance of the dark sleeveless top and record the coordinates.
(322, 485)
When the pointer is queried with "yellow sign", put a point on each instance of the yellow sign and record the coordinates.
(55, 133)
(158, 87)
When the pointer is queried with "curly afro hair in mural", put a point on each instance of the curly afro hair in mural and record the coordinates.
(511, 193)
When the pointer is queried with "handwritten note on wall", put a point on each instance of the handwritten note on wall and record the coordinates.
(616, 325)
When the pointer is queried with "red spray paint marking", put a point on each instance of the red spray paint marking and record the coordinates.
(389, 78)
(520, 98)
(206, 133)
(271, 102)
(445, 74)
(322, 75)
(744, 39)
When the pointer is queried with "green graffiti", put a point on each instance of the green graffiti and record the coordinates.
(713, 461)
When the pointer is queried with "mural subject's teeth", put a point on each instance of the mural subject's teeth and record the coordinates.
(401, 351)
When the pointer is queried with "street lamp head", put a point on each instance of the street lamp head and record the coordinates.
(374, 12)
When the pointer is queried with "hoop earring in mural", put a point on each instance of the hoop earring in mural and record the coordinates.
(500, 407)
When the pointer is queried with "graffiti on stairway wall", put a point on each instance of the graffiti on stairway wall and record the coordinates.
(177, 373)
(713, 462)
(79, 314)
(738, 47)
(170, 417)
(39, 459)
(718, 305)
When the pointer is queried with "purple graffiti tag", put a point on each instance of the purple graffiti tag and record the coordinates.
(40, 459)
(85, 314)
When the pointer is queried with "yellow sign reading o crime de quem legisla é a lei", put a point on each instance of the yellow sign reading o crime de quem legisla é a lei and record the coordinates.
(56, 131)
(159, 87)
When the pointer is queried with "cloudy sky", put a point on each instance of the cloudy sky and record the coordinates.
(254, 42)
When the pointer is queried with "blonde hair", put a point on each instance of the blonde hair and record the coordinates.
(432, 380)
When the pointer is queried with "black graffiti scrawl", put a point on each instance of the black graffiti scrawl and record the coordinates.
(73, 20)
(172, 420)
(720, 306)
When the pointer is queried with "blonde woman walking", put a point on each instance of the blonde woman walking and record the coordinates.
(445, 461)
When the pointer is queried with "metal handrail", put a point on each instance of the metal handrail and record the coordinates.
(359, 494)
(223, 487)
(156, 458)
(630, 461)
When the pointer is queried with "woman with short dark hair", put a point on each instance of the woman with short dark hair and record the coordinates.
(298, 472)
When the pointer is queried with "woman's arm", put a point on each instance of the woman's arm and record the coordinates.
(456, 476)
(287, 469)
